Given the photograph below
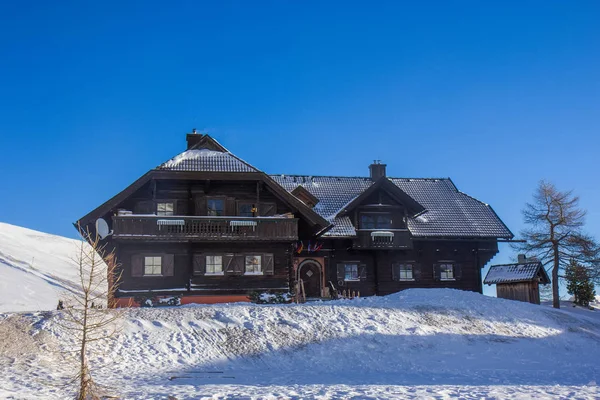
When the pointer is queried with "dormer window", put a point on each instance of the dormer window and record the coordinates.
(165, 208)
(375, 221)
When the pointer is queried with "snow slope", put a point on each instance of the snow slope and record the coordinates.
(35, 268)
(425, 343)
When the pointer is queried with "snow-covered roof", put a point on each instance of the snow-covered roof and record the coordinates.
(512, 273)
(206, 160)
(448, 212)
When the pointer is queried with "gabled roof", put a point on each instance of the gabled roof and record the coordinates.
(207, 155)
(512, 273)
(448, 212)
(397, 194)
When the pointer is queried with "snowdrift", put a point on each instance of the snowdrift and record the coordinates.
(421, 342)
(35, 268)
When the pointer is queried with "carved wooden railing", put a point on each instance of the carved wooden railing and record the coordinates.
(204, 228)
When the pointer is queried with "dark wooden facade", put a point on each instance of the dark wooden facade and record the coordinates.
(197, 234)
(528, 292)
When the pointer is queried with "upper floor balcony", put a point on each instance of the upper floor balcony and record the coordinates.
(391, 239)
(199, 228)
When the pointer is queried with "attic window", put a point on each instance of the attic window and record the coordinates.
(375, 221)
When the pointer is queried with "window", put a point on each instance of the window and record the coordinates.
(375, 221)
(446, 272)
(351, 272)
(254, 265)
(214, 265)
(246, 210)
(216, 207)
(164, 208)
(405, 272)
(153, 265)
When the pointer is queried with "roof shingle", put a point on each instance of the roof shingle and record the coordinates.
(449, 212)
(510, 273)
(205, 160)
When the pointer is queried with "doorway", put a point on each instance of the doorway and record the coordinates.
(309, 272)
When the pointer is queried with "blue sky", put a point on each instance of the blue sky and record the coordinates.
(495, 95)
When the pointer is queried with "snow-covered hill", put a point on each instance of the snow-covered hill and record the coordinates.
(424, 343)
(35, 268)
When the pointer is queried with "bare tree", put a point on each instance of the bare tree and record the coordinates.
(88, 316)
(555, 234)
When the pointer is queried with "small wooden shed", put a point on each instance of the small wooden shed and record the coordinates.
(520, 281)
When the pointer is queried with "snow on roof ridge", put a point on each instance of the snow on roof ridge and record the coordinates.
(189, 155)
(354, 177)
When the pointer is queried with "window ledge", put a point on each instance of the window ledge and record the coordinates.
(351, 280)
(407, 280)
(253, 273)
(214, 274)
(152, 275)
(447, 279)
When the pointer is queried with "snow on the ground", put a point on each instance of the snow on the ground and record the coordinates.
(423, 343)
(35, 269)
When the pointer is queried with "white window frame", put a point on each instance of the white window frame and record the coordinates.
(406, 267)
(445, 274)
(351, 266)
(211, 265)
(162, 208)
(151, 261)
(256, 268)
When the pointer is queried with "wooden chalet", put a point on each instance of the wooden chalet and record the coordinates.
(520, 281)
(209, 227)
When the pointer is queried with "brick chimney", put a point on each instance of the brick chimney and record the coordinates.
(522, 259)
(193, 138)
(377, 170)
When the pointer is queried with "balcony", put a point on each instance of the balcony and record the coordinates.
(391, 239)
(194, 228)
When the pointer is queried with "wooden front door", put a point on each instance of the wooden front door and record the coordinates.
(311, 277)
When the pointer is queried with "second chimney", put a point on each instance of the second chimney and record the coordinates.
(377, 170)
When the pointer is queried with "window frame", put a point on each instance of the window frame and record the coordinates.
(153, 256)
(163, 212)
(206, 264)
(375, 215)
(442, 265)
(401, 269)
(253, 208)
(260, 263)
(356, 267)
(215, 198)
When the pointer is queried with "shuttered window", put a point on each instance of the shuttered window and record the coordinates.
(405, 272)
(351, 272)
(214, 265)
(446, 272)
(153, 265)
(253, 265)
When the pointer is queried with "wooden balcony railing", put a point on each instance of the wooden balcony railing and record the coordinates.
(383, 239)
(204, 228)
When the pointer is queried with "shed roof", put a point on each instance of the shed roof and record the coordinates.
(513, 273)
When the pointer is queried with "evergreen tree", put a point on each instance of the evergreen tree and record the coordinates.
(579, 284)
